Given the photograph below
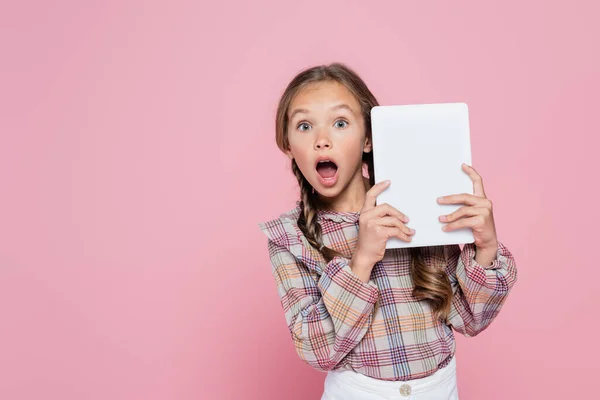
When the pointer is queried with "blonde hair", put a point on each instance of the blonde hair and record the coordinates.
(431, 283)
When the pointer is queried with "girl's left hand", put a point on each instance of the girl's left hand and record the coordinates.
(476, 214)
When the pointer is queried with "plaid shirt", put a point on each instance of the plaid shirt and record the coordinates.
(377, 328)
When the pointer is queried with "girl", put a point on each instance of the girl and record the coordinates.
(379, 322)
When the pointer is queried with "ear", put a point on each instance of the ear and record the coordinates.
(289, 154)
(368, 145)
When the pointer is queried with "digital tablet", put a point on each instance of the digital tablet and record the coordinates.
(420, 148)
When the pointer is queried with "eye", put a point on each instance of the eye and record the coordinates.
(303, 126)
(341, 124)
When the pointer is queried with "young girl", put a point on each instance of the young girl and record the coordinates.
(379, 321)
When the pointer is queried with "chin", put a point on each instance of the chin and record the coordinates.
(330, 192)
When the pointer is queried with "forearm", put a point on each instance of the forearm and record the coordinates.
(479, 289)
(322, 340)
(327, 313)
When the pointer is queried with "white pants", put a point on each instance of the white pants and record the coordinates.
(350, 385)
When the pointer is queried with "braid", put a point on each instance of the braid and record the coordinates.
(307, 221)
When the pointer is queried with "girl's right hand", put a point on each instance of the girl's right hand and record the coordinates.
(376, 225)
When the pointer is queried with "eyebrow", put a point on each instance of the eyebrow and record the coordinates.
(344, 106)
(298, 111)
(334, 108)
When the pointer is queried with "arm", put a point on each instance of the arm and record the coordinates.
(479, 291)
(328, 314)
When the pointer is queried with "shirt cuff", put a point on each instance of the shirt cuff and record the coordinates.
(468, 256)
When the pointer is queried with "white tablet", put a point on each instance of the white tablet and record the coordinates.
(421, 148)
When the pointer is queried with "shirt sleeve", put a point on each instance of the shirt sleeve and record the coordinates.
(328, 314)
(479, 292)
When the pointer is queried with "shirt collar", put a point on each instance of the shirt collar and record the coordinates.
(338, 216)
(335, 216)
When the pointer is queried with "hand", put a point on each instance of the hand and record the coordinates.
(376, 225)
(477, 214)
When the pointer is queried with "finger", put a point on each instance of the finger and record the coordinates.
(371, 196)
(465, 211)
(386, 209)
(471, 222)
(464, 198)
(395, 222)
(477, 180)
(396, 232)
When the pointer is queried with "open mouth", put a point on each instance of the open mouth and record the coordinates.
(326, 169)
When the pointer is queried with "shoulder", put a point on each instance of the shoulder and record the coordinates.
(282, 227)
(284, 234)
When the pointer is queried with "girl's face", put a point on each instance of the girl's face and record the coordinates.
(326, 134)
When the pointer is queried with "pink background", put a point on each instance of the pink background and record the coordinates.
(137, 156)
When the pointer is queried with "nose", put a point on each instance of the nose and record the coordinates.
(322, 141)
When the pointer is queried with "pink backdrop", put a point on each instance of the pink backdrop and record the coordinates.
(137, 156)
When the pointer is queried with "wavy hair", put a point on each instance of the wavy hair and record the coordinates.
(431, 283)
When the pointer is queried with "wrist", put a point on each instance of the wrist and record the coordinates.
(488, 249)
(359, 262)
(485, 256)
(361, 267)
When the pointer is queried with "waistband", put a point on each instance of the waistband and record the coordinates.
(415, 386)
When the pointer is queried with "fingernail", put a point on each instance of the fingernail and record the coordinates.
(442, 218)
(406, 219)
(412, 230)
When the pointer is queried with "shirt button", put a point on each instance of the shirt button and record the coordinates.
(405, 390)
